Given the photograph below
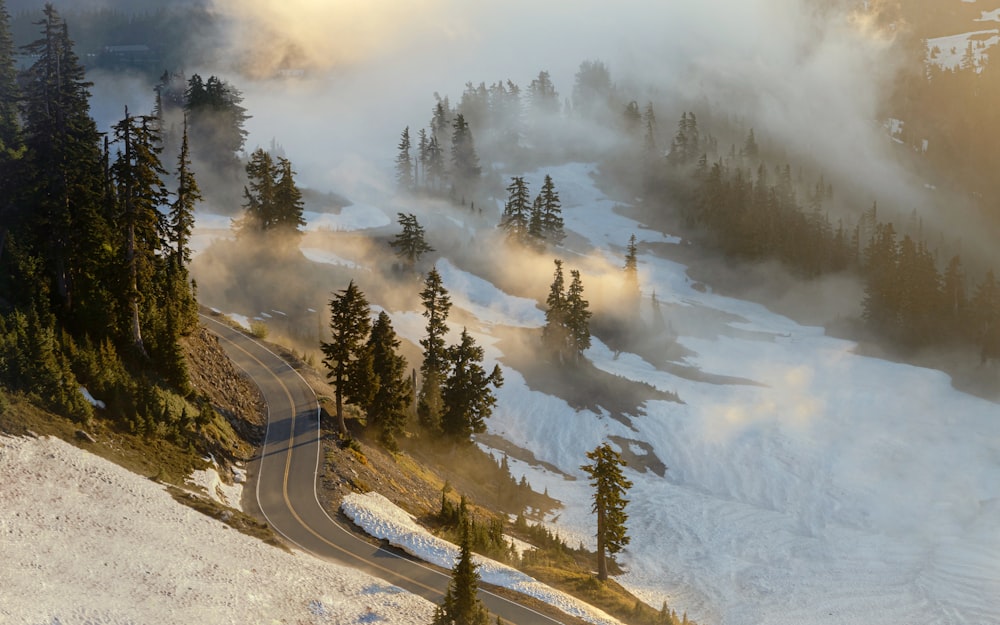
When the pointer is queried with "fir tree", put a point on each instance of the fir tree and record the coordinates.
(11, 144)
(551, 213)
(288, 200)
(577, 317)
(217, 121)
(465, 161)
(404, 163)
(181, 215)
(466, 393)
(461, 604)
(273, 200)
(350, 324)
(516, 218)
(139, 188)
(610, 487)
(423, 156)
(436, 304)
(435, 169)
(410, 244)
(555, 334)
(387, 408)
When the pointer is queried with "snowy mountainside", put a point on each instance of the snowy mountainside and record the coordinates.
(805, 483)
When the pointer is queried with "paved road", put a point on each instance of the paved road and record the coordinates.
(286, 482)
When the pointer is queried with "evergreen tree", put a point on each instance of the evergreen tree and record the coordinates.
(350, 324)
(11, 145)
(516, 217)
(632, 293)
(273, 200)
(423, 157)
(436, 304)
(217, 121)
(577, 317)
(750, 151)
(181, 217)
(461, 604)
(536, 236)
(649, 136)
(610, 487)
(63, 218)
(288, 200)
(435, 169)
(465, 161)
(404, 164)
(551, 213)
(387, 408)
(555, 335)
(410, 244)
(542, 95)
(140, 191)
(466, 393)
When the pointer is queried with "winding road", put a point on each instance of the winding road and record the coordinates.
(286, 482)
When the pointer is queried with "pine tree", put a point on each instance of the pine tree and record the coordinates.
(140, 191)
(350, 324)
(435, 169)
(423, 157)
(181, 217)
(516, 217)
(461, 604)
(543, 96)
(63, 219)
(11, 144)
(387, 408)
(551, 213)
(577, 317)
(404, 164)
(217, 121)
(632, 293)
(649, 136)
(610, 487)
(555, 335)
(436, 304)
(465, 161)
(288, 200)
(410, 244)
(468, 400)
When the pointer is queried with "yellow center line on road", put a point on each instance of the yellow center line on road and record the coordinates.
(284, 482)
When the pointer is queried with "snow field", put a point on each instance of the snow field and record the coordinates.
(834, 488)
(382, 519)
(87, 542)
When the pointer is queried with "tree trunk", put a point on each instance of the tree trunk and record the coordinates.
(341, 425)
(602, 560)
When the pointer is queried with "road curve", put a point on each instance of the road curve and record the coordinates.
(286, 470)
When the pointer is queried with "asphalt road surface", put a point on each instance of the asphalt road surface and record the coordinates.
(286, 482)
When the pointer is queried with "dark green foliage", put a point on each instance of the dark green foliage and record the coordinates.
(515, 220)
(346, 355)
(610, 487)
(686, 145)
(273, 200)
(464, 160)
(410, 244)
(466, 394)
(551, 213)
(216, 122)
(567, 320)
(387, 408)
(461, 604)
(436, 304)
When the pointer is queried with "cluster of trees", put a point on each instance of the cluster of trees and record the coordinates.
(366, 369)
(273, 200)
(427, 169)
(533, 224)
(93, 245)
(910, 300)
(212, 109)
(566, 333)
(410, 244)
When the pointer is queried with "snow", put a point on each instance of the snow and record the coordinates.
(831, 488)
(349, 218)
(953, 47)
(382, 519)
(989, 16)
(318, 255)
(486, 302)
(210, 483)
(87, 397)
(87, 542)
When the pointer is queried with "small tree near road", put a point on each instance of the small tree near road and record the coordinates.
(461, 604)
(610, 486)
(347, 356)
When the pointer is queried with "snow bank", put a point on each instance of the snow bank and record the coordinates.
(84, 541)
(382, 519)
